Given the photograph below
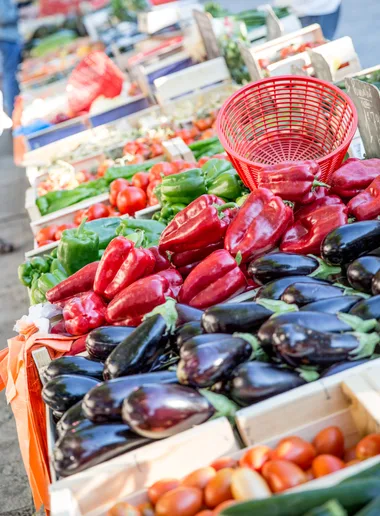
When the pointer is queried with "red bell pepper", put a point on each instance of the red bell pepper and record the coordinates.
(112, 259)
(138, 264)
(185, 262)
(293, 181)
(202, 223)
(312, 224)
(174, 278)
(366, 205)
(214, 280)
(258, 226)
(84, 313)
(162, 261)
(81, 281)
(354, 176)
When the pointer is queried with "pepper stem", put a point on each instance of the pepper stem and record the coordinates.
(317, 183)
(238, 258)
(81, 226)
(289, 203)
(225, 206)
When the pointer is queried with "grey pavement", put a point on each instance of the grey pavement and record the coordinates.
(358, 20)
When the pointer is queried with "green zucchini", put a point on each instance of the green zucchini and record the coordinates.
(372, 509)
(352, 495)
(331, 508)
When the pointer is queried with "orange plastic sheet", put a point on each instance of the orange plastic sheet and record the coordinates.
(19, 376)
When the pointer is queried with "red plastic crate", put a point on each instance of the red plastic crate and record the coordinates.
(287, 118)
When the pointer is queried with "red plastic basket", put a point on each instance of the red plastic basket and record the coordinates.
(287, 118)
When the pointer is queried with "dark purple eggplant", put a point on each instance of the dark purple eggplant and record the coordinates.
(157, 411)
(92, 444)
(274, 266)
(375, 285)
(202, 365)
(361, 271)
(275, 289)
(256, 381)
(187, 314)
(346, 243)
(64, 391)
(168, 359)
(367, 308)
(101, 342)
(103, 403)
(139, 351)
(342, 366)
(73, 365)
(186, 332)
(71, 418)
(303, 293)
(297, 345)
(232, 317)
(332, 305)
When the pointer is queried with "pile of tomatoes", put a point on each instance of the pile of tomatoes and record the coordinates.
(260, 472)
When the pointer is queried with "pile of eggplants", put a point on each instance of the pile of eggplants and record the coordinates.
(310, 317)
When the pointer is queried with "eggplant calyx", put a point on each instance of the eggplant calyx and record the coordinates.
(323, 271)
(223, 406)
(309, 374)
(168, 311)
(277, 306)
(356, 323)
(348, 291)
(257, 351)
(367, 345)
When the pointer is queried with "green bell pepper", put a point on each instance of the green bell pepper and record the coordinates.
(183, 187)
(241, 200)
(208, 147)
(40, 264)
(56, 265)
(34, 267)
(152, 230)
(104, 228)
(25, 274)
(227, 185)
(54, 253)
(169, 211)
(214, 168)
(40, 285)
(77, 248)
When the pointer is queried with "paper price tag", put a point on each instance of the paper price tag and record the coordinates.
(274, 26)
(204, 23)
(250, 62)
(321, 67)
(297, 70)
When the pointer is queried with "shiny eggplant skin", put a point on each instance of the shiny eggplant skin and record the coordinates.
(157, 411)
(185, 332)
(73, 365)
(303, 293)
(101, 342)
(187, 314)
(297, 346)
(367, 308)
(375, 287)
(333, 305)
(257, 381)
(71, 418)
(361, 271)
(64, 391)
(92, 444)
(138, 352)
(342, 366)
(346, 243)
(274, 266)
(169, 358)
(232, 317)
(202, 365)
(103, 403)
(275, 289)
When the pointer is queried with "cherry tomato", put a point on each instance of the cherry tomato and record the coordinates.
(330, 440)
(161, 169)
(282, 475)
(295, 450)
(141, 180)
(47, 233)
(130, 200)
(218, 489)
(123, 509)
(97, 211)
(146, 509)
(350, 454)
(199, 478)
(224, 462)
(159, 488)
(326, 464)
(62, 228)
(368, 447)
(156, 149)
(103, 167)
(79, 216)
(116, 187)
(256, 457)
(224, 505)
(152, 199)
(182, 501)
(45, 242)
(204, 123)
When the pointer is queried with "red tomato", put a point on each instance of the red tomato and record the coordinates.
(368, 447)
(206, 512)
(130, 200)
(256, 457)
(161, 487)
(97, 211)
(123, 509)
(309, 475)
(113, 212)
(79, 216)
(45, 242)
(352, 463)
(62, 228)
(295, 450)
(218, 489)
(181, 164)
(282, 475)
(350, 454)
(183, 501)
(103, 167)
(199, 478)
(204, 123)
(161, 169)
(152, 199)
(224, 462)
(116, 187)
(83, 176)
(330, 440)
(203, 160)
(141, 180)
(47, 233)
(326, 464)
(156, 149)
